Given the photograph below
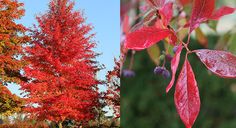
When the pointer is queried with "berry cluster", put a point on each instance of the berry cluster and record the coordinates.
(162, 71)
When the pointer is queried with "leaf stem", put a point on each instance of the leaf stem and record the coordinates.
(186, 44)
(189, 34)
(179, 29)
(167, 49)
(131, 60)
(164, 63)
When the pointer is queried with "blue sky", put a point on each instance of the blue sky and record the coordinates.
(104, 15)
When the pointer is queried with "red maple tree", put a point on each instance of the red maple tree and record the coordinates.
(61, 66)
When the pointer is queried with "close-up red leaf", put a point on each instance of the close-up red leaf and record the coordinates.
(221, 63)
(126, 26)
(145, 37)
(202, 10)
(172, 22)
(167, 12)
(174, 66)
(151, 2)
(187, 99)
(221, 12)
(161, 3)
(156, 3)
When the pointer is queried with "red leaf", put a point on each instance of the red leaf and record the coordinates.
(145, 37)
(187, 100)
(161, 3)
(125, 25)
(157, 3)
(166, 12)
(148, 20)
(202, 10)
(220, 63)
(221, 12)
(151, 2)
(173, 38)
(158, 23)
(174, 66)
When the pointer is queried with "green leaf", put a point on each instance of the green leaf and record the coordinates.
(184, 31)
(232, 43)
(212, 24)
(154, 53)
(201, 38)
(168, 47)
(223, 41)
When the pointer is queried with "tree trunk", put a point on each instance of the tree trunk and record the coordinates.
(60, 124)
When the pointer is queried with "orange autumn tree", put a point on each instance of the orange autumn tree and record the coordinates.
(12, 36)
(9, 103)
(62, 69)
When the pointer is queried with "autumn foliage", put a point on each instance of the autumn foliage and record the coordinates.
(112, 96)
(9, 103)
(61, 69)
(156, 24)
(12, 36)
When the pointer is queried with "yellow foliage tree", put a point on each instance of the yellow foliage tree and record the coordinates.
(9, 103)
(12, 36)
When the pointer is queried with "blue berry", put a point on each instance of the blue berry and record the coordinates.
(175, 49)
(158, 70)
(166, 74)
(128, 73)
(169, 57)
